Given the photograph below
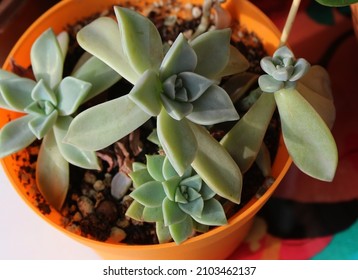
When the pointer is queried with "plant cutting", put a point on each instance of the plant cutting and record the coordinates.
(193, 173)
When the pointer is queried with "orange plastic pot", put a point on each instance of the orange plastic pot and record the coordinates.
(218, 243)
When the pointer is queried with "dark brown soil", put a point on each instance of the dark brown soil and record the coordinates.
(90, 209)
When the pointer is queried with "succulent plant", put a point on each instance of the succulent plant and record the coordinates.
(179, 88)
(336, 3)
(306, 110)
(179, 205)
(48, 104)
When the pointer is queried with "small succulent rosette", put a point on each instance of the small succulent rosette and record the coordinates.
(179, 205)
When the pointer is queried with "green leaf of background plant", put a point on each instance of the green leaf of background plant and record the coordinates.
(178, 141)
(140, 39)
(307, 137)
(102, 125)
(47, 59)
(217, 168)
(81, 158)
(101, 38)
(244, 140)
(15, 136)
(237, 64)
(52, 172)
(336, 3)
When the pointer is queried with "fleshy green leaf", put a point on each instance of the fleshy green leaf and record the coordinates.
(150, 194)
(41, 124)
(101, 38)
(336, 3)
(71, 92)
(102, 125)
(15, 136)
(194, 84)
(213, 60)
(170, 187)
(217, 168)
(193, 208)
(244, 140)
(214, 106)
(63, 40)
(163, 233)
(52, 172)
(269, 84)
(146, 93)
(177, 110)
(140, 39)
(153, 214)
(307, 137)
(180, 58)
(140, 177)
(172, 214)
(15, 94)
(178, 141)
(135, 211)
(194, 182)
(41, 92)
(168, 170)
(155, 167)
(213, 214)
(4, 75)
(98, 74)
(237, 64)
(47, 59)
(81, 158)
(183, 230)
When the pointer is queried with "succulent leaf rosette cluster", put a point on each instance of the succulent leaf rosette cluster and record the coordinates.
(179, 205)
(179, 88)
(48, 103)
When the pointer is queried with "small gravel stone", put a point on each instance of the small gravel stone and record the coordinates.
(85, 205)
(117, 234)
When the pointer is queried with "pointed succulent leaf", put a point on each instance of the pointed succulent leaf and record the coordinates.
(301, 68)
(146, 93)
(71, 93)
(283, 52)
(41, 124)
(140, 39)
(194, 84)
(15, 136)
(244, 140)
(177, 140)
(213, 60)
(153, 214)
(135, 211)
(206, 192)
(101, 38)
(237, 64)
(81, 158)
(4, 75)
(172, 213)
(177, 110)
(217, 168)
(214, 106)
(136, 166)
(170, 187)
(155, 167)
(283, 74)
(168, 170)
(182, 231)
(52, 172)
(269, 84)
(99, 74)
(193, 182)
(41, 92)
(47, 59)
(63, 40)
(267, 65)
(150, 194)
(179, 196)
(15, 93)
(180, 58)
(102, 125)
(162, 232)
(263, 161)
(213, 214)
(193, 208)
(140, 176)
(307, 137)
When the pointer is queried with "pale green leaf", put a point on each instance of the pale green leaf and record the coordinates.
(101, 38)
(177, 140)
(193, 208)
(15, 93)
(212, 60)
(170, 187)
(244, 140)
(194, 182)
(98, 74)
(213, 214)
(71, 93)
(307, 137)
(146, 93)
(104, 124)
(194, 84)
(172, 214)
(140, 177)
(152, 214)
(237, 64)
(168, 170)
(81, 158)
(216, 167)
(150, 194)
(15, 136)
(52, 172)
(183, 230)
(47, 59)
(41, 124)
(214, 106)
(163, 233)
(4, 75)
(180, 58)
(41, 92)
(63, 40)
(140, 39)
(135, 211)
(155, 167)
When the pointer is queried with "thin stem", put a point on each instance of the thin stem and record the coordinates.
(289, 22)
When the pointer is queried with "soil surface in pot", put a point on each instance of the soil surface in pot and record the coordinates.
(90, 210)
